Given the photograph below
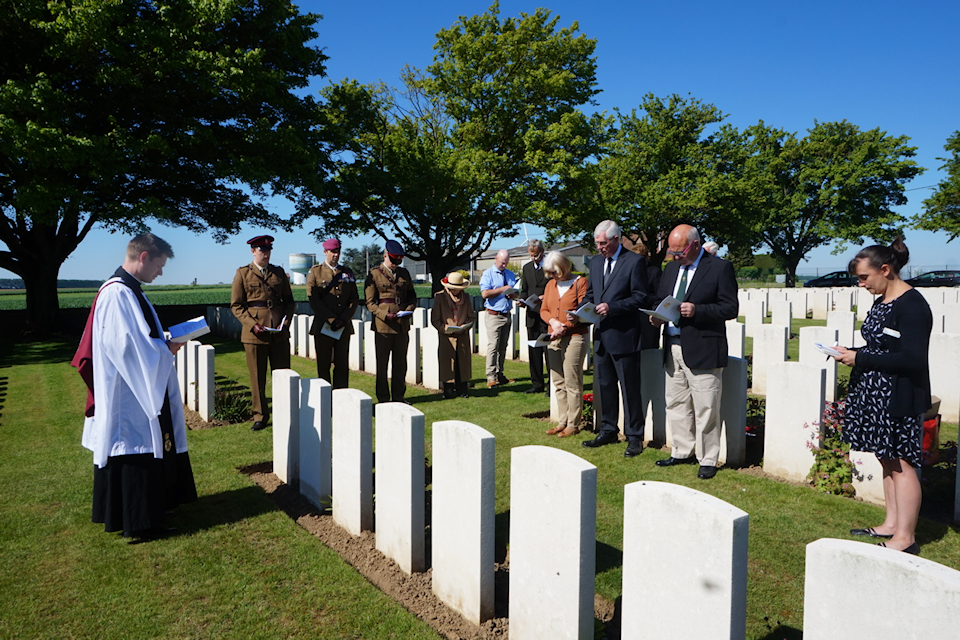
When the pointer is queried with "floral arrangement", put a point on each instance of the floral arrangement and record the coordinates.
(587, 414)
(832, 470)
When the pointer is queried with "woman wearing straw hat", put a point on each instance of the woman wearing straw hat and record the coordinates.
(453, 316)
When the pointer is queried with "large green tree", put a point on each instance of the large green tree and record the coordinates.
(479, 142)
(115, 112)
(838, 184)
(942, 209)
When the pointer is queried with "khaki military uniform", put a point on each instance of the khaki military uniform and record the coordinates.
(333, 297)
(455, 350)
(263, 299)
(384, 293)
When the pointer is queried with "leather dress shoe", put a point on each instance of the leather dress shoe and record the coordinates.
(258, 425)
(869, 531)
(707, 472)
(600, 440)
(671, 461)
(633, 449)
(533, 390)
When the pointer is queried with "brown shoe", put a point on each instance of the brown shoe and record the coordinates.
(555, 430)
(491, 382)
(569, 431)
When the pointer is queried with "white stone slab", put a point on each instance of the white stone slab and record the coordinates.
(512, 335)
(769, 348)
(781, 313)
(736, 338)
(809, 354)
(793, 414)
(355, 351)
(864, 302)
(684, 564)
(733, 413)
(311, 342)
(843, 299)
(315, 439)
(400, 485)
(523, 350)
(463, 518)
(369, 350)
(552, 544)
(844, 322)
(820, 303)
(415, 355)
(753, 314)
(294, 334)
(352, 452)
(206, 382)
(856, 590)
(193, 372)
(286, 425)
(420, 318)
(430, 341)
(303, 336)
(944, 357)
(867, 477)
(653, 381)
(181, 359)
(799, 299)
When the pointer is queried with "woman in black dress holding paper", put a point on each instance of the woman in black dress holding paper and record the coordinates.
(890, 388)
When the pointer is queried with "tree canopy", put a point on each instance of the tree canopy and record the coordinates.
(116, 112)
(479, 142)
(942, 209)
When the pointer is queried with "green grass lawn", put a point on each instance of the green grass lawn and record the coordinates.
(241, 568)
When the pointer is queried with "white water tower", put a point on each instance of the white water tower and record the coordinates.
(300, 264)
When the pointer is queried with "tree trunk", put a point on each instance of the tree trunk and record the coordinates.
(43, 304)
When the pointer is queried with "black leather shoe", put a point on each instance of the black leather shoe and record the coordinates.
(633, 450)
(600, 440)
(869, 531)
(671, 461)
(533, 390)
(258, 425)
(707, 472)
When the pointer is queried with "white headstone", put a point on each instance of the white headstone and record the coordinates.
(311, 342)
(736, 338)
(400, 487)
(793, 415)
(294, 334)
(753, 314)
(856, 590)
(552, 544)
(781, 312)
(182, 373)
(512, 335)
(944, 357)
(303, 335)
(315, 438)
(844, 322)
(867, 477)
(369, 349)
(193, 372)
(809, 336)
(415, 354)
(820, 303)
(286, 425)
(843, 299)
(769, 348)
(695, 545)
(523, 347)
(463, 518)
(352, 429)
(733, 413)
(206, 382)
(356, 345)
(430, 341)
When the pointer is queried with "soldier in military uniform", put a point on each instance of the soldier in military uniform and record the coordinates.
(389, 290)
(261, 299)
(332, 292)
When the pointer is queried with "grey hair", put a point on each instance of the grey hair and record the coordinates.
(535, 244)
(609, 228)
(558, 262)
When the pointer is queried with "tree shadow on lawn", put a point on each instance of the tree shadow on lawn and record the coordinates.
(223, 508)
(48, 352)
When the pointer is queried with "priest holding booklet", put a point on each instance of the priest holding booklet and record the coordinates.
(333, 296)
(453, 316)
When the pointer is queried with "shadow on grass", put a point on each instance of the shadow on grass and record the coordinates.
(27, 353)
(783, 633)
(223, 508)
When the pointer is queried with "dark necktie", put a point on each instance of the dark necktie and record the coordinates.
(607, 268)
(682, 289)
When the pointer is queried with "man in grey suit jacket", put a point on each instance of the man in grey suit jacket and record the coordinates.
(695, 348)
(533, 282)
(618, 288)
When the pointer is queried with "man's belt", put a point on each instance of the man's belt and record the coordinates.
(388, 301)
(261, 305)
(498, 313)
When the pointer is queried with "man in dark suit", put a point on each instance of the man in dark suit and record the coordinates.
(618, 288)
(695, 348)
(533, 283)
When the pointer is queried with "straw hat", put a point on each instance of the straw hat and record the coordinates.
(456, 281)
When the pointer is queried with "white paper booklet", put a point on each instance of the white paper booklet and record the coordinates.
(278, 329)
(404, 314)
(452, 328)
(830, 351)
(533, 302)
(542, 341)
(668, 310)
(587, 313)
(188, 330)
(510, 292)
(328, 331)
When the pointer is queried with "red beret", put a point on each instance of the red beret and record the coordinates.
(331, 245)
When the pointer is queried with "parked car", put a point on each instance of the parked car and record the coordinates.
(936, 279)
(833, 279)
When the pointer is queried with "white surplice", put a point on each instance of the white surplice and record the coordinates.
(132, 372)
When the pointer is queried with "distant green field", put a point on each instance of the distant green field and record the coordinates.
(163, 295)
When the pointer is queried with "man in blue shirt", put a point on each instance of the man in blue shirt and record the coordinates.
(494, 285)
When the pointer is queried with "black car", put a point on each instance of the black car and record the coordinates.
(833, 279)
(936, 279)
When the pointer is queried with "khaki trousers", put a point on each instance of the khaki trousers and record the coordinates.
(565, 362)
(693, 407)
(278, 352)
(498, 329)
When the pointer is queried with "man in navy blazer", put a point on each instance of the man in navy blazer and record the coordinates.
(695, 348)
(618, 289)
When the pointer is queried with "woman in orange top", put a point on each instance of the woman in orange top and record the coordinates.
(568, 340)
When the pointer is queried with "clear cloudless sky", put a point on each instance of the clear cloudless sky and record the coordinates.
(877, 63)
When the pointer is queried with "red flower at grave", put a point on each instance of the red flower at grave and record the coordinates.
(588, 398)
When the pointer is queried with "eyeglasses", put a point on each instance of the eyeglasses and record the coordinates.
(603, 243)
(677, 254)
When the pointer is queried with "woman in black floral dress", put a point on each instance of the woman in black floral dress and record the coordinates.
(890, 388)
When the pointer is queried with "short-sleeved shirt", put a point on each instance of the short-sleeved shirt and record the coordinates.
(493, 278)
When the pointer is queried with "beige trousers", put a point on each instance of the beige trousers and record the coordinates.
(565, 362)
(693, 408)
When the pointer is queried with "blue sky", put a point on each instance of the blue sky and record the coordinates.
(891, 65)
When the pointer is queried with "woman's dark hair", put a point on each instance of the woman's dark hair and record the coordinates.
(896, 255)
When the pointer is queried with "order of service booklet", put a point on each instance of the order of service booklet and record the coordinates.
(278, 329)
(452, 328)
(533, 302)
(542, 340)
(587, 313)
(668, 310)
(328, 331)
(186, 331)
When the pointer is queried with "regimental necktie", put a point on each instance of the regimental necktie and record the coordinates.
(682, 289)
